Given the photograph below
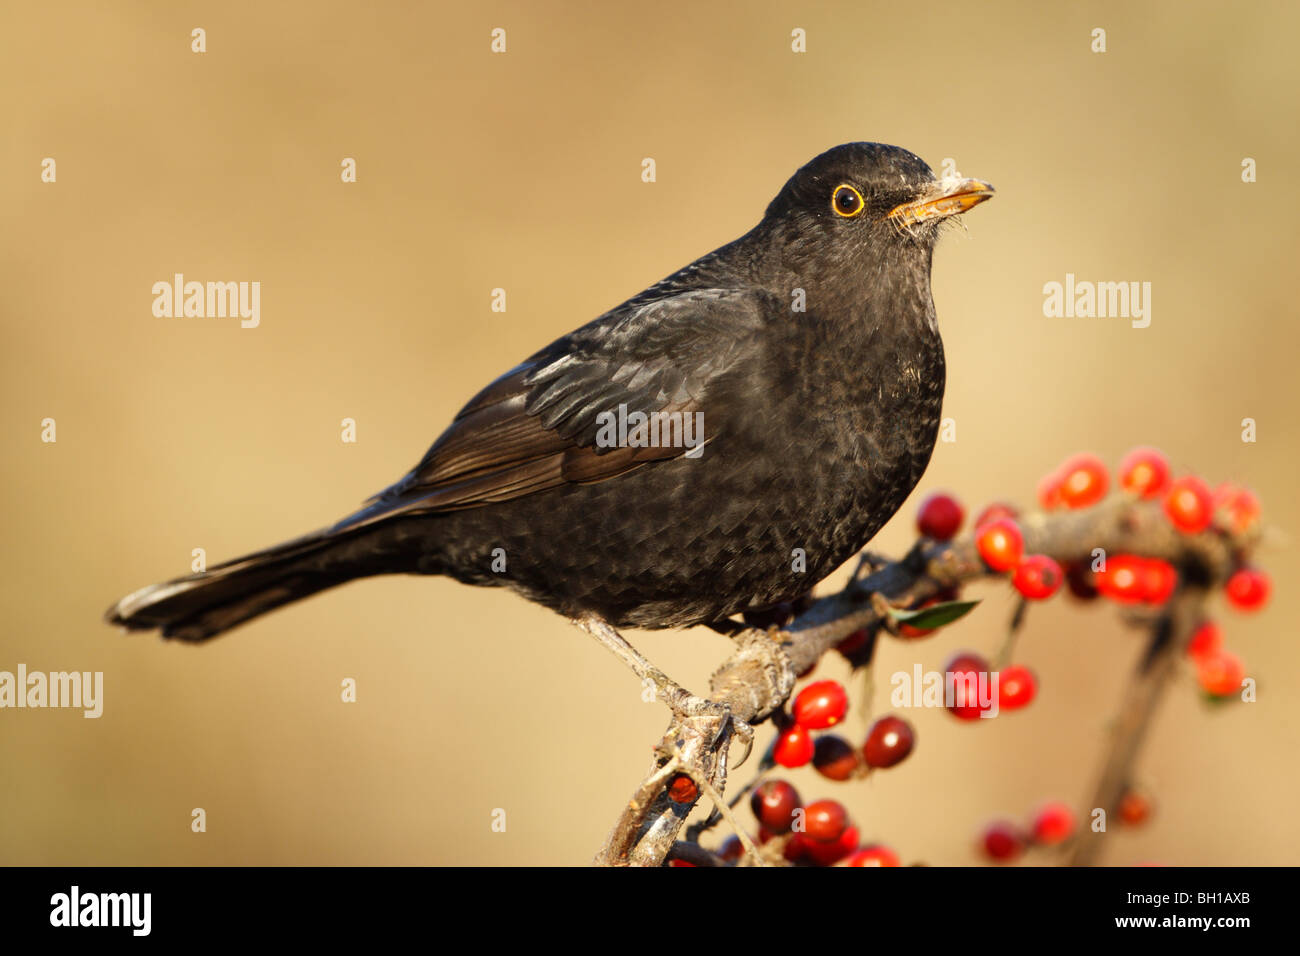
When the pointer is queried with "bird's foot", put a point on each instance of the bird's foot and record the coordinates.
(715, 717)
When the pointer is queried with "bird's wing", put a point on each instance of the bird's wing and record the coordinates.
(536, 427)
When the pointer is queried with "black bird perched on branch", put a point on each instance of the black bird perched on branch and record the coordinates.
(719, 442)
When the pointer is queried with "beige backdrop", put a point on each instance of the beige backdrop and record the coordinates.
(522, 171)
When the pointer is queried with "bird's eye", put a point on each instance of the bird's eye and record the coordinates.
(846, 201)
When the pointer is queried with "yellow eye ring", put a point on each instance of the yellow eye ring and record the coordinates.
(847, 201)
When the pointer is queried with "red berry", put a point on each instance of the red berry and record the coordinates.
(1248, 589)
(1158, 580)
(965, 673)
(834, 757)
(1037, 577)
(888, 742)
(1220, 673)
(820, 705)
(1134, 808)
(1207, 639)
(1053, 824)
(1000, 544)
(1144, 472)
(1079, 578)
(796, 848)
(995, 511)
(939, 517)
(793, 747)
(825, 821)
(874, 855)
(774, 803)
(1084, 481)
(828, 854)
(1002, 842)
(1122, 579)
(683, 789)
(679, 863)
(1016, 687)
(854, 642)
(1237, 506)
(1049, 491)
(1189, 504)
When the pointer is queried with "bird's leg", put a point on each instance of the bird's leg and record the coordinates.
(727, 627)
(680, 701)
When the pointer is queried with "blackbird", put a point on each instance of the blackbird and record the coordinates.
(717, 443)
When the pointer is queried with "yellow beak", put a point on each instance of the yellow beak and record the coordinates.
(949, 197)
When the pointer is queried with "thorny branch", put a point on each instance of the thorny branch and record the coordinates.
(760, 675)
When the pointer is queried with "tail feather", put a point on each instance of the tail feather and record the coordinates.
(201, 606)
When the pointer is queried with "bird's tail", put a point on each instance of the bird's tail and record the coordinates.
(203, 605)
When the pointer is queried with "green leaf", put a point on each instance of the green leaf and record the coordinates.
(937, 615)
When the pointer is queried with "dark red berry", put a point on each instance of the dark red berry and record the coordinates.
(967, 674)
(888, 742)
(854, 642)
(834, 757)
(939, 517)
(683, 789)
(1079, 578)
(825, 821)
(774, 803)
(828, 854)
(1002, 842)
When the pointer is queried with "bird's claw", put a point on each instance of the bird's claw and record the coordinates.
(690, 707)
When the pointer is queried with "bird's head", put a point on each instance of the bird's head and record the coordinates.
(866, 202)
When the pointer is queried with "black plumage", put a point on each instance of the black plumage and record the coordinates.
(817, 425)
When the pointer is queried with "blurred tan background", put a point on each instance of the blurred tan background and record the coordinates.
(522, 171)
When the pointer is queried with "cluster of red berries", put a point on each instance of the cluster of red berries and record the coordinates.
(816, 834)
(998, 539)
(1004, 841)
(821, 705)
(1081, 481)
(1016, 686)
(1189, 504)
